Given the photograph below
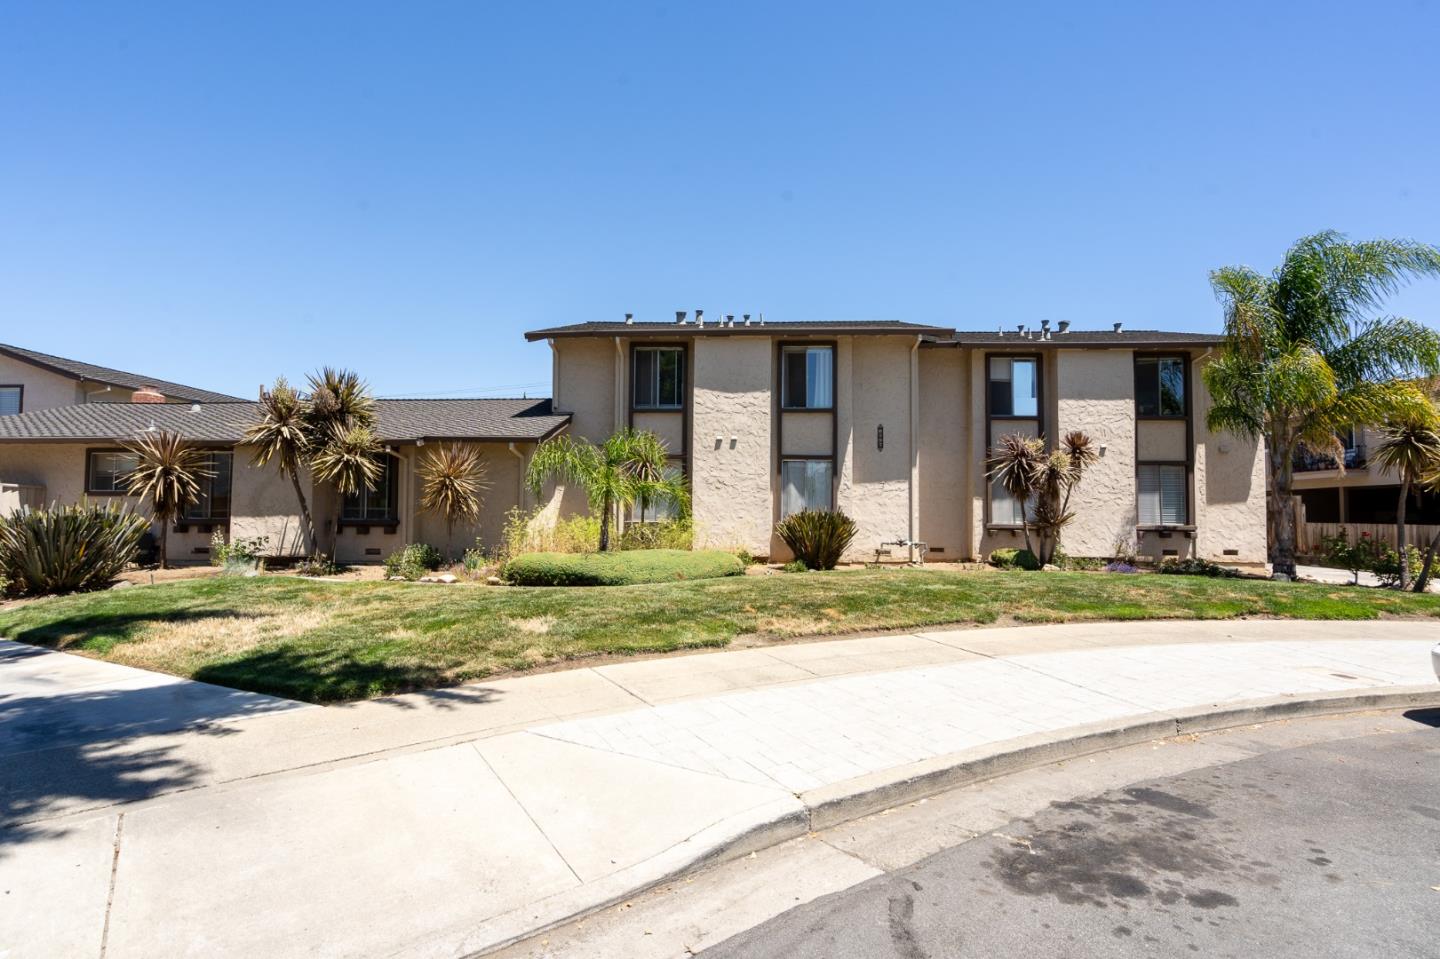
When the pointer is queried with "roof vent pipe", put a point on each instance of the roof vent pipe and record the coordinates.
(699, 317)
(1118, 326)
(1020, 328)
(747, 319)
(629, 319)
(762, 319)
(729, 319)
(680, 317)
(1064, 325)
(1045, 325)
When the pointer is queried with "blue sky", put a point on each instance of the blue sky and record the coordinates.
(221, 193)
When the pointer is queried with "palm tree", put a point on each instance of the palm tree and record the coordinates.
(452, 477)
(628, 467)
(1027, 472)
(1431, 484)
(1306, 354)
(167, 473)
(348, 458)
(282, 436)
(1410, 448)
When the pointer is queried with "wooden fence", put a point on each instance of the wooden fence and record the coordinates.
(1309, 535)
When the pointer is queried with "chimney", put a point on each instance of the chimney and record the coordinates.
(147, 394)
(629, 319)
(680, 317)
(1118, 326)
(1064, 325)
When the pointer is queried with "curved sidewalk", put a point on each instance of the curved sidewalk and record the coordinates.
(444, 824)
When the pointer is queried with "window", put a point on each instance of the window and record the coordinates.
(807, 378)
(375, 503)
(1015, 386)
(805, 484)
(1159, 386)
(658, 511)
(1164, 499)
(11, 400)
(659, 378)
(106, 470)
(1004, 508)
(214, 501)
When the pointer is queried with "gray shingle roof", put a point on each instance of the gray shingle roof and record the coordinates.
(651, 329)
(101, 374)
(1081, 338)
(400, 421)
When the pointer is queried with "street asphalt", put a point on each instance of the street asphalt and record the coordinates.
(1326, 850)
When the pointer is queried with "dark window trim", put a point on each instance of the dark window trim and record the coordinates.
(636, 348)
(1189, 523)
(90, 489)
(391, 519)
(834, 465)
(1184, 359)
(684, 409)
(990, 420)
(834, 384)
(212, 519)
(21, 388)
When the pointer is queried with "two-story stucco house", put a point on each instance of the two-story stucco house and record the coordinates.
(891, 423)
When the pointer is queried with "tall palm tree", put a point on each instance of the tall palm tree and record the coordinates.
(628, 467)
(282, 435)
(1306, 354)
(1410, 448)
(167, 473)
(341, 420)
(452, 477)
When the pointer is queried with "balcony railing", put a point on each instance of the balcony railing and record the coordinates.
(1307, 461)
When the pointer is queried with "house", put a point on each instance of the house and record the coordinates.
(891, 423)
(30, 380)
(888, 421)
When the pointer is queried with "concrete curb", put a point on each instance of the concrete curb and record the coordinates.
(775, 822)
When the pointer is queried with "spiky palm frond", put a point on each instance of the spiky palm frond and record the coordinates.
(1410, 448)
(349, 459)
(452, 477)
(281, 434)
(167, 472)
(340, 396)
(1017, 462)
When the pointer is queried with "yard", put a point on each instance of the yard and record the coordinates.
(334, 641)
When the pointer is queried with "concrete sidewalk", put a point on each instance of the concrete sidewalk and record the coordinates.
(444, 823)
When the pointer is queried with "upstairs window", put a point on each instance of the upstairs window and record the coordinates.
(1160, 386)
(214, 501)
(659, 378)
(107, 470)
(1163, 497)
(1015, 386)
(808, 378)
(11, 400)
(375, 503)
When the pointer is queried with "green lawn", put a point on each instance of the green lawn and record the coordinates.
(326, 642)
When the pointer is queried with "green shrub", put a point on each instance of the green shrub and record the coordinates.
(1357, 556)
(473, 560)
(239, 556)
(1011, 558)
(1386, 564)
(412, 561)
(619, 568)
(817, 537)
(795, 566)
(319, 565)
(1195, 566)
(670, 534)
(65, 549)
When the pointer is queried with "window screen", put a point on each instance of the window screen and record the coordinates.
(1162, 495)
(106, 471)
(804, 484)
(659, 378)
(214, 501)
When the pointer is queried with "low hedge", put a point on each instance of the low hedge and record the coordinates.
(619, 568)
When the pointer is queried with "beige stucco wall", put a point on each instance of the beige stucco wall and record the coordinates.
(503, 472)
(874, 488)
(1162, 440)
(669, 426)
(262, 504)
(733, 480)
(1229, 490)
(945, 431)
(585, 387)
(43, 389)
(1096, 395)
(807, 433)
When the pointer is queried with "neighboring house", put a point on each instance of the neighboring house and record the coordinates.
(66, 454)
(891, 422)
(1362, 494)
(38, 381)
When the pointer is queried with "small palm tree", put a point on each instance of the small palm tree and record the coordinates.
(1306, 354)
(340, 421)
(452, 477)
(1410, 448)
(1028, 473)
(282, 436)
(348, 459)
(1431, 484)
(167, 473)
(628, 467)
(1016, 463)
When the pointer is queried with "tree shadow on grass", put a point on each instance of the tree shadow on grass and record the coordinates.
(75, 632)
(320, 674)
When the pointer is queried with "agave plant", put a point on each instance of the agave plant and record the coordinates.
(68, 548)
(167, 472)
(452, 477)
(817, 537)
